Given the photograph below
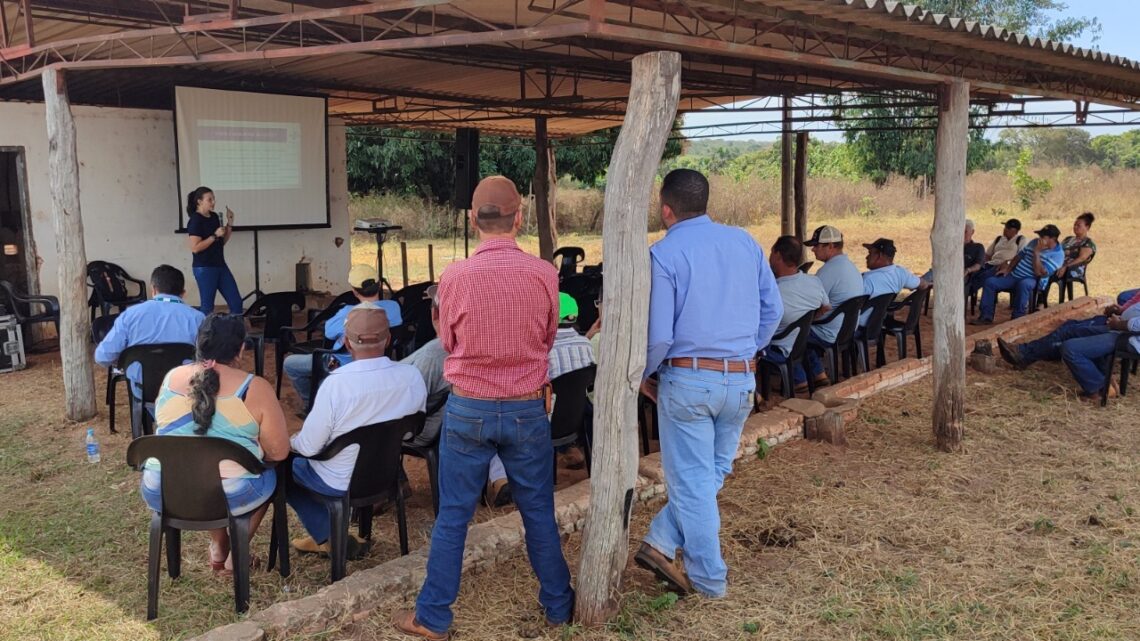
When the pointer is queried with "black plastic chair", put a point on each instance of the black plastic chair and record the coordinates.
(375, 477)
(914, 304)
(416, 328)
(99, 330)
(276, 313)
(568, 419)
(317, 317)
(1129, 360)
(1067, 280)
(584, 288)
(156, 360)
(806, 267)
(767, 367)
(430, 455)
(193, 499)
(287, 343)
(646, 422)
(111, 287)
(872, 331)
(20, 305)
(843, 350)
(567, 259)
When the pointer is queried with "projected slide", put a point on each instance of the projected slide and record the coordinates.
(264, 155)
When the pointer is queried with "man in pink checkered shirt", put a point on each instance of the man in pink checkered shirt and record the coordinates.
(497, 320)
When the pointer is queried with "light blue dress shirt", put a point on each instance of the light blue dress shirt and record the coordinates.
(1132, 316)
(891, 279)
(842, 281)
(713, 294)
(163, 319)
(800, 293)
(1051, 259)
(334, 327)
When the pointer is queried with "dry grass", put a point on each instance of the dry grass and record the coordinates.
(1030, 534)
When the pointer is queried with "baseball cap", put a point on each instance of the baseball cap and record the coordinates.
(567, 307)
(1013, 222)
(367, 324)
(1050, 231)
(824, 234)
(499, 192)
(360, 274)
(884, 246)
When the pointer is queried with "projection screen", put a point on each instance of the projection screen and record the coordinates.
(265, 156)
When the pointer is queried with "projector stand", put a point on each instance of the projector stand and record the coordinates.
(256, 293)
(381, 234)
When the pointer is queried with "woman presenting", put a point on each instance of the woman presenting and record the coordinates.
(207, 239)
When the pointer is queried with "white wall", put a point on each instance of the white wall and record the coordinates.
(129, 199)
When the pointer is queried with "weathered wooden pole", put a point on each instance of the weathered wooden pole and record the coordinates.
(544, 191)
(404, 261)
(654, 89)
(431, 263)
(801, 184)
(946, 241)
(787, 221)
(74, 325)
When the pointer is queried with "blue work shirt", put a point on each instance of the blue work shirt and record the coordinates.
(1051, 259)
(713, 294)
(163, 319)
(891, 279)
(334, 327)
(842, 282)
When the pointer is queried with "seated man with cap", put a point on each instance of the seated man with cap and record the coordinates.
(571, 352)
(883, 276)
(1023, 275)
(369, 389)
(801, 294)
(366, 286)
(841, 280)
(1003, 248)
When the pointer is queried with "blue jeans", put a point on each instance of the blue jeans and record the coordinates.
(473, 432)
(1087, 358)
(299, 369)
(978, 278)
(313, 514)
(700, 414)
(1126, 295)
(811, 361)
(1048, 347)
(211, 280)
(1020, 289)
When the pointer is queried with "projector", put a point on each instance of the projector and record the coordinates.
(375, 225)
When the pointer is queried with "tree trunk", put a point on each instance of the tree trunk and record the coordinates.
(654, 90)
(74, 324)
(946, 240)
(801, 185)
(544, 191)
(787, 220)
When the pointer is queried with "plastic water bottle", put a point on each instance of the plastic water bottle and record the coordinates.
(92, 447)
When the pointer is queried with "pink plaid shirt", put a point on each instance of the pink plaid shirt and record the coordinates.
(498, 313)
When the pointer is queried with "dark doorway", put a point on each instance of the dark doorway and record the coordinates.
(17, 252)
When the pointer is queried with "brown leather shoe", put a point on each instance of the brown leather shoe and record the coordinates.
(405, 621)
(650, 559)
(497, 493)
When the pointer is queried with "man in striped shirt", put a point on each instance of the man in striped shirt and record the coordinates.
(497, 319)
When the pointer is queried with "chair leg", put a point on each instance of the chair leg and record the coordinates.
(239, 548)
(111, 399)
(1108, 379)
(917, 341)
(364, 518)
(765, 387)
(401, 522)
(279, 538)
(808, 376)
(153, 566)
(173, 552)
(136, 426)
(900, 342)
(880, 353)
(338, 538)
(788, 386)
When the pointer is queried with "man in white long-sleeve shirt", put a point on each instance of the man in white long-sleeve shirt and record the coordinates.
(371, 389)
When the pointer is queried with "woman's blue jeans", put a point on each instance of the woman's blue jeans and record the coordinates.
(211, 280)
(474, 431)
(701, 414)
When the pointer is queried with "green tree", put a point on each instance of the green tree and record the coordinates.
(1027, 188)
(1052, 146)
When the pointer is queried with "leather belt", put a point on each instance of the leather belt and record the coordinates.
(530, 396)
(714, 364)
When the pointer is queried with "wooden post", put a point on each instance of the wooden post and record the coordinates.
(801, 184)
(654, 88)
(544, 191)
(946, 240)
(431, 263)
(404, 261)
(787, 223)
(74, 325)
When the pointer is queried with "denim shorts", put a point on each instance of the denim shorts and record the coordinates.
(242, 494)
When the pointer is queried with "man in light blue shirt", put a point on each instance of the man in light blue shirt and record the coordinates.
(801, 294)
(162, 319)
(366, 286)
(1023, 275)
(883, 276)
(713, 305)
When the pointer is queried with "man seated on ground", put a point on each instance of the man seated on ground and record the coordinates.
(162, 319)
(840, 279)
(1003, 248)
(883, 276)
(1022, 276)
(429, 359)
(366, 286)
(974, 255)
(369, 389)
(802, 294)
(571, 352)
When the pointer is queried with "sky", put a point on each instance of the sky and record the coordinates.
(1119, 20)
